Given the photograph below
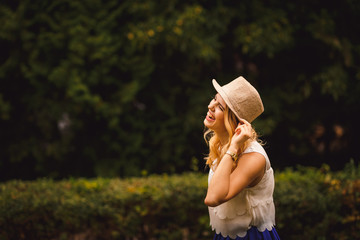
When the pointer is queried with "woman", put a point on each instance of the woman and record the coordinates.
(241, 180)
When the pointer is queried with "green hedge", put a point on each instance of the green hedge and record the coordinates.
(311, 204)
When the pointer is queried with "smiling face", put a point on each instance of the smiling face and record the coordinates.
(215, 116)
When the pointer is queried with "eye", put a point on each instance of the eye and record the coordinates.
(219, 105)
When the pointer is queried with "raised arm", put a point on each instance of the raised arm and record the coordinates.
(225, 183)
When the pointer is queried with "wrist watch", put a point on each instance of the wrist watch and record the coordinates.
(234, 156)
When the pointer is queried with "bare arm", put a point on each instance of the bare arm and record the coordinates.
(225, 183)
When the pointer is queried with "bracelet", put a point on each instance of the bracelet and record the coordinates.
(234, 156)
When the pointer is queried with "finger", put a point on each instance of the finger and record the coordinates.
(244, 121)
(239, 130)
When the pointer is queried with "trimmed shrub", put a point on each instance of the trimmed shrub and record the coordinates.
(155, 207)
(315, 203)
(311, 204)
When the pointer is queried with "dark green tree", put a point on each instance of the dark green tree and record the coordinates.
(91, 88)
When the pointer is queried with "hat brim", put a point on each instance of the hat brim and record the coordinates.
(222, 93)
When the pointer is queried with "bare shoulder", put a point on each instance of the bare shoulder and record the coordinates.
(251, 158)
(251, 165)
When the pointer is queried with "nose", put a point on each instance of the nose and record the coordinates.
(211, 105)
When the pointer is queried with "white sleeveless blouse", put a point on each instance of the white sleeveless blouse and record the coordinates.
(253, 206)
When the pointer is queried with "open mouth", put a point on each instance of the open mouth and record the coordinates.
(210, 116)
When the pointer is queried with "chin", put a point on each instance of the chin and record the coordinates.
(206, 124)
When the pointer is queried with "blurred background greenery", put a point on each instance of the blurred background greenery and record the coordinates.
(120, 88)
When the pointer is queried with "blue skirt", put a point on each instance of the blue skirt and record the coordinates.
(252, 234)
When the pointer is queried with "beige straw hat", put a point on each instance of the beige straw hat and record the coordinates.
(242, 98)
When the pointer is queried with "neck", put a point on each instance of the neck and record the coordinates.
(223, 137)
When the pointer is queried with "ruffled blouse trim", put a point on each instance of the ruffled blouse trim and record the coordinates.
(239, 212)
(254, 216)
(266, 227)
(259, 203)
(243, 234)
(235, 214)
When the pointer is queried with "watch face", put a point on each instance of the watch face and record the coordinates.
(233, 155)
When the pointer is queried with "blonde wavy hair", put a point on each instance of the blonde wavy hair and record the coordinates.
(216, 150)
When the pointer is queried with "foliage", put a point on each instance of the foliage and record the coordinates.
(310, 203)
(156, 207)
(119, 88)
(307, 203)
